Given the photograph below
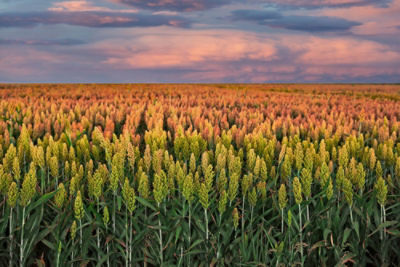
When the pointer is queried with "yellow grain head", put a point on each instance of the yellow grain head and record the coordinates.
(78, 207)
(262, 190)
(60, 196)
(235, 218)
(106, 216)
(297, 190)
(12, 195)
(286, 169)
(347, 188)
(144, 190)
(299, 156)
(372, 159)
(73, 230)
(203, 196)
(16, 169)
(282, 197)
(381, 191)
(378, 169)
(188, 188)
(222, 202)
(253, 197)
(53, 164)
(221, 181)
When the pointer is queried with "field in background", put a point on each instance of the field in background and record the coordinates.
(199, 175)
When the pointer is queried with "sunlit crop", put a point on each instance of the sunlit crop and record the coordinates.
(189, 175)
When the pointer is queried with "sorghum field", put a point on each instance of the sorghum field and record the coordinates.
(199, 175)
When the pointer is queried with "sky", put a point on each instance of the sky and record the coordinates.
(200, 41)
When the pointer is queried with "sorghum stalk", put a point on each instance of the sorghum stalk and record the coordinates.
(189, 223)
(58, 253)
(205, 215)
(351, 214)
(381, 195)
(80, 233)
(298, 197)
(98, 230)
(301, 235)
(21, 253)
(73, 233)
(160, 231)
(114, 193)
(12, 196)
(126, 237)
(11, 238)
(130, 241)
(384, 220)
(282, 199)
(106, 219)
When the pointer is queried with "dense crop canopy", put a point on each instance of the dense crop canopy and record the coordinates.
(189, 175)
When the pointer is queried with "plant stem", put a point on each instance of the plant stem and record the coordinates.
(126, 238)
(205, 216)
(219, 233)
(21, 256)
(189, 230)
(98, 232)
(130, 241)
(160, 232)
(251, 215)
(301, 236)
(282, 221)
(11, 238)
(351, 215)
(58, 258)
(243, 215)
(114, 212)
(80, 232)
(384, 220)
(308, 212)
(108, 257)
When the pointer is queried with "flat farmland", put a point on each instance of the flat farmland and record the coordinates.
(199, 174)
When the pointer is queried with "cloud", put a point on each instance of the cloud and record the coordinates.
(62, 42)
(187, 55)
(199, 5)
(312, 23)
(174, 5)
(375, 20)
(236, 56)
(313, 4)
(185, 50)
(255, 15)
(82, 6)
(345, 51)
(89, 19)
(294, 22)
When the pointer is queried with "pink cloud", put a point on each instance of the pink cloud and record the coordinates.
(187, 49)
(332, 51)
(375, 20)
(15, 62)
(83, 6)
(223, 54)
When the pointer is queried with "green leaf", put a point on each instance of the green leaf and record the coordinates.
(346, 235)
(43, 199)
(146, 203)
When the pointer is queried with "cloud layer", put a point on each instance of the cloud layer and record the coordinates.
(294, 22)
(89, 19)
(200, 41)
